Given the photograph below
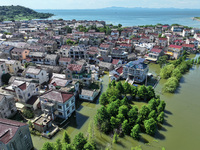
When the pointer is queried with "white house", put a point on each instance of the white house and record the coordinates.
(89, 95)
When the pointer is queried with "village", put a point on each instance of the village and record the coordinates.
(48, 66)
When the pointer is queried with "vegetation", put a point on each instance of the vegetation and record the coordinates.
(118, 116)
(28, 113)
(5, 78)
(11, 13)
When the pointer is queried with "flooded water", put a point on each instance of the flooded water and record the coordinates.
(180, 130)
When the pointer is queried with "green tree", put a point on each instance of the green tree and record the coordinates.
(160, 117)
(101, 116)
(115, 137)
(103, 100)
(113, 83)
(177, 73)
(134, 91)
(58, 144)
(150, 126)
(152, 114)
(121, 117)
(144, 111)
(166, 71)
(127, 88)
(67, 147)
(114, 122)
(132, 115)
(112, 91)
(142, 92)
(48, 146)
(152, 104)
(66, 138)
(5, 78)
(124, 101)
(126, 127)
(113, 108)
(79, 141)
(120, 87)
(161, 106)
(123, 110)
(171, 85)
(135, 132)
(88, 146)
(151, 93)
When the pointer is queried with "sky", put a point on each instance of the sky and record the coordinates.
(93, 4)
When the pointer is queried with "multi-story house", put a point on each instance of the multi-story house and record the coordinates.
(51, 59)
(162, 42)
(14, 135)
(77, 52)
(193, 41)
(57, 104)
(36, 57)
(37, 73)
(177, 28)
(64, 61)
(13, 66)
(7, 106)
(135, 70)
(174, 51)
(19, 53)
(186, 33)
(78, 72)
(91, 55)
(154, 54)
(3, 70)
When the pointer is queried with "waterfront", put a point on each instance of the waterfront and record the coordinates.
(130, 17)
(179, 131)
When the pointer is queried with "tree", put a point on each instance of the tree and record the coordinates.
(119, 25)
(152, 114)
(113, 83)
(120, 87)
(150, 126)
(132, 115)
(121, 117)
(105, 126)
(144, 111)
(101, 116)
(66, 138)
(115, 137)
(67, 147)
(113, 108)
(27, 113)
(171, 85)
(142, 92)
(88, 146)
(79, 141)
(177, 73)
(114, 122)
(5, 78)
(161, 106)
(58, 144)
(124, 101)
(112, 91)
(123, 110)
(127, 88)
(48, 146)
(134, 91)
(126, 127)
(151, 93)
(135, 132)
(166, 71)
(160, 117)
(152, 104)
(103, 100)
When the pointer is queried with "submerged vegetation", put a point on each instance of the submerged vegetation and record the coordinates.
(119, 116)
(11, 13)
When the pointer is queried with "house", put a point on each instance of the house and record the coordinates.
(174, 51)
(118, 54)
(37, 73)
(35, 57)
(13, 66)
(51, 59)
(162, 42)
(19, 53)
(89, 95)
(77, 52)
(177, 28)
(58, 104)
(7, 106)
(193, 41)
(105, 66)
(140, 50)
(116, 61)
(14, 135)
(57, 83)
(136, 70)
(189, 48)
(78, 72)
(64, 61)
(186, 33)
(91, 55)
(154, 54)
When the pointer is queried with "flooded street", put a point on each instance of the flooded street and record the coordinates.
(179, 131)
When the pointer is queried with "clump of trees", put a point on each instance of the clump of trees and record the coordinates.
(80, 142)
(174, 71)
(118, 116)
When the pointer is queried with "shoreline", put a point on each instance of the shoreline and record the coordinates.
(196, 18)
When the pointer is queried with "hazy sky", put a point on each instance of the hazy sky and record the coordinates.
(92, 4)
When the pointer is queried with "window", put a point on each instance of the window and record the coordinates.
(42, 74)
(59, 113)
(68, 112)
(67, 105)
(69, 76)
(59, 107)
(72, 101)
(72, 107)
(29, 94)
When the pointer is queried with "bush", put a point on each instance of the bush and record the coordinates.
(171, 85)
(166, 71)
(28, 113)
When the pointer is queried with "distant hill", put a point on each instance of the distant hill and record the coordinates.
(10, 13)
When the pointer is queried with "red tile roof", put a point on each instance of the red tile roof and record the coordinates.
(59, 96)
(188, 45)
(119, 70)
(116, 76)
(74, 67)
(8, 128)
(163, 39)
(22, 86)
(175, 46)
(155, 50)
(115, 61)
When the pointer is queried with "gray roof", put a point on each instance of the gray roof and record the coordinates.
(51, 56)
(31, 70)
(87, 92)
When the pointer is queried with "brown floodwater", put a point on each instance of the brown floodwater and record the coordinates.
(180, 130)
